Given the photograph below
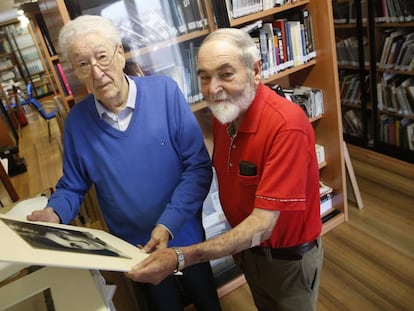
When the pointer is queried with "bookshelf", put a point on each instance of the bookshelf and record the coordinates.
(384, 31)
(319, 71)
(27, 59)
(50, 58)
(352, 45)
(10, 69)
(394, 85)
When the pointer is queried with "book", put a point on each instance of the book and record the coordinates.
(320, 153)
(168, 15)
(202, 13)
(310, 99)
(326, 203)
(353, 122)
(271, 49)
(309, 35)
(178, 18)
(63, 79)
(296, 42)
(264, 53)
(280, 53)
(197, 12)
(324, 189)
(249, 28)
(340, 11)
(188, 12)
(222, 13)
(281, 24)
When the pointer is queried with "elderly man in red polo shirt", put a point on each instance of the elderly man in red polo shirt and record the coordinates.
(268, 177)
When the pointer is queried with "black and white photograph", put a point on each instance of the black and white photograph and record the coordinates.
(69, 246)
(47, 237)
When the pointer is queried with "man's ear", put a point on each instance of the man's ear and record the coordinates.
(121, 53)
(257, 72)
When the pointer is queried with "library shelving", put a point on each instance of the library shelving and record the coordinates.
(55, 70)
(29, 59)
(9, 68)
(168, 51)
(394, 86)
(386, 40)
(352, 46)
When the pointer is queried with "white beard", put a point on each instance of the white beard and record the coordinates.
(231, 107)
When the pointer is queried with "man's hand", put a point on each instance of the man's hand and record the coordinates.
(159, 239)
(155, 268)
(47, 215)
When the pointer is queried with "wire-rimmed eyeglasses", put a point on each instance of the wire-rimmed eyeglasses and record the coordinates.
(83, 69)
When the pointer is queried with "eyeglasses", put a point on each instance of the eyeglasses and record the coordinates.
(83, 69)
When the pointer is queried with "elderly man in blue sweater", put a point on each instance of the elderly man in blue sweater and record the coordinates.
(138, 142)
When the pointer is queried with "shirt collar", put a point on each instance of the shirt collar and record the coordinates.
(130, 104)
(251, 120)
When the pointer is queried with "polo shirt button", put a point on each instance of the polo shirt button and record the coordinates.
(231, 164)
(233, 146)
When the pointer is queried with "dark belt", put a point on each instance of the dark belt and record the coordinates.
(289, 253)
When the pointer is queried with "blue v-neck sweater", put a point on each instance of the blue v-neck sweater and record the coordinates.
(158, 171)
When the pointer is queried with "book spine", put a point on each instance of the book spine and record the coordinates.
(264, 53)
(178, 18)
(187, 10)
(197, 14)
(62, 75)
(222, 13)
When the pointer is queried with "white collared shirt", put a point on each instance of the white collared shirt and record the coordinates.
(121, 120)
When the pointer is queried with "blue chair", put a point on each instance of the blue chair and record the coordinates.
(47, 116)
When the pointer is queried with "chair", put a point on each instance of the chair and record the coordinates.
(47, 116)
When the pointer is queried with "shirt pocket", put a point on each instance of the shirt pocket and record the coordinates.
(248, 186)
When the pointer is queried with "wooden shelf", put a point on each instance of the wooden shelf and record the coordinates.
(259, 15)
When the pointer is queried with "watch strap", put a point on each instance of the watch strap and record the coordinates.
(180, 259)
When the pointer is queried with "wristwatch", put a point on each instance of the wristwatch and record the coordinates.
(180, 259)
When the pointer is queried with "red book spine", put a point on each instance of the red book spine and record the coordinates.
(64, 79)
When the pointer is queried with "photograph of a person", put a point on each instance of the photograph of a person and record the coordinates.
(59, 239)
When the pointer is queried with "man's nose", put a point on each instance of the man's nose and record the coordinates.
(96, 70)
(214, 86)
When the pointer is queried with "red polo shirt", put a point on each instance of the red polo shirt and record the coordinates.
(278, 138)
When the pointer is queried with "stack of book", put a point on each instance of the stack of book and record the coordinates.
(345, 12)
(396, 50)
(347, 50)
(397, 132)
(350, 87)
(284, 43)
(394, 11)
(326, 193)
(395, 93)
(352, 122)
(308, 98)
(238, 8)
